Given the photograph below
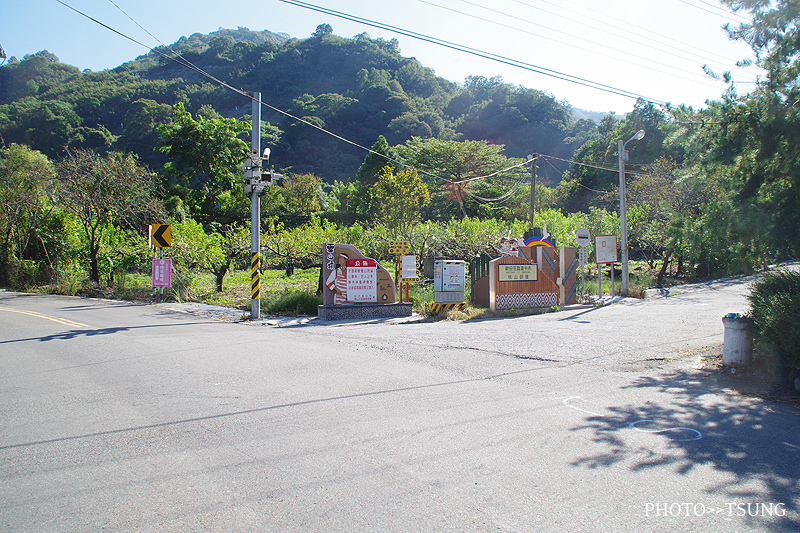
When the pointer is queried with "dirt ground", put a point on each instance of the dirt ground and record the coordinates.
(757, 379)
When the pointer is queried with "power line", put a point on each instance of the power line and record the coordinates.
(630, 28)
(700, 79)
(142, 27)
(177, 58)
(725, 13)
(513, 189)
(646, 39)
(183, 62)
(493, 173)
(191, 65)
(590, 165)
(486, 55)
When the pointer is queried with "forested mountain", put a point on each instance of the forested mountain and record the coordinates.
(711, 191)
(359, 88)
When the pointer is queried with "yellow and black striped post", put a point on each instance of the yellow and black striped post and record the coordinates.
(255, 276)
(440, 307)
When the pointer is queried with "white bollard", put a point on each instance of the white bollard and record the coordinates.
(737, 341)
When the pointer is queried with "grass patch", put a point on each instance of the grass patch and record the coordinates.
(292, 303)
(640, 278)
(280, 294)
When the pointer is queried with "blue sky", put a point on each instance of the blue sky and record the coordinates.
(653, 48)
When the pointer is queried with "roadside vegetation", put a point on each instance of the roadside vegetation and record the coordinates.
(775, 310)
(89, 160)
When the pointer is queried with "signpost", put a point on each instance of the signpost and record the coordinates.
(162, 273)
(407, 265)
(399, 247)
(605, 251)
(160, 237)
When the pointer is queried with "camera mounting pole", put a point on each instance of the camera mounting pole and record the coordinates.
(255, 186)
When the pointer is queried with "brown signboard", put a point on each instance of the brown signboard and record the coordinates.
(519, 293)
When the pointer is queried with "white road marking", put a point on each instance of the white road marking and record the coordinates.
(634, 425)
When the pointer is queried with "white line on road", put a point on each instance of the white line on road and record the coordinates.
(698, 435)
(634, 425)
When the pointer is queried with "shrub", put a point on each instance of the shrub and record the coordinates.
(775, 310)
(293, 303)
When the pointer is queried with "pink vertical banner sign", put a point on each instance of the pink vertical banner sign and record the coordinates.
(162, 272)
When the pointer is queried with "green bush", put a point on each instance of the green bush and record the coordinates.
(293, 303)
(775, 310)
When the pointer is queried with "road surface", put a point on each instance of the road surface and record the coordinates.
(124, 417)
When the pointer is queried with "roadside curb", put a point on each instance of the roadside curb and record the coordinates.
(228, 314)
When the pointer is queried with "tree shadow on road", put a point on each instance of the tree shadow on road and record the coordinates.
(704, 424)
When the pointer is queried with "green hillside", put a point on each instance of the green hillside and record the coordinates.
(358, 88)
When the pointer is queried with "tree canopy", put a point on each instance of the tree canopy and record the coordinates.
(205, 155)
(359, 89)
(105, 190)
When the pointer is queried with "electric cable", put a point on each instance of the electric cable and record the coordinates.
(486, 55)
(330, 133)
(701, 79)
(647, 40)
(239, 91)
(177, 58)
(493, 173)
(590, 165)
(727, 13)
(578, 184)
(629, 29)
(517, 185)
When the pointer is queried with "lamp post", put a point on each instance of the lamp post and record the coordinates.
(623, 208)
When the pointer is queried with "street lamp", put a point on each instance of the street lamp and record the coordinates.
(623, 209)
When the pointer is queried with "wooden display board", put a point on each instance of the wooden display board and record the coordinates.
(515, 288)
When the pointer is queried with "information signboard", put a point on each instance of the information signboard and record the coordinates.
(517, 273)
(605, 249)
(162, 272)
(362, 280)
(409, 268)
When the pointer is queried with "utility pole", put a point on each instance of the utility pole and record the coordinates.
(533, 159)
(623, 211)
(255, 211)
(256, 178)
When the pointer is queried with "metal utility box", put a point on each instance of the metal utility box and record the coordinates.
(448, 281)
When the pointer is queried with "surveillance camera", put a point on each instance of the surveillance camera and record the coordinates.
(267, 151)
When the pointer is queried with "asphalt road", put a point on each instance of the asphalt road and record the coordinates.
(123, 417)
